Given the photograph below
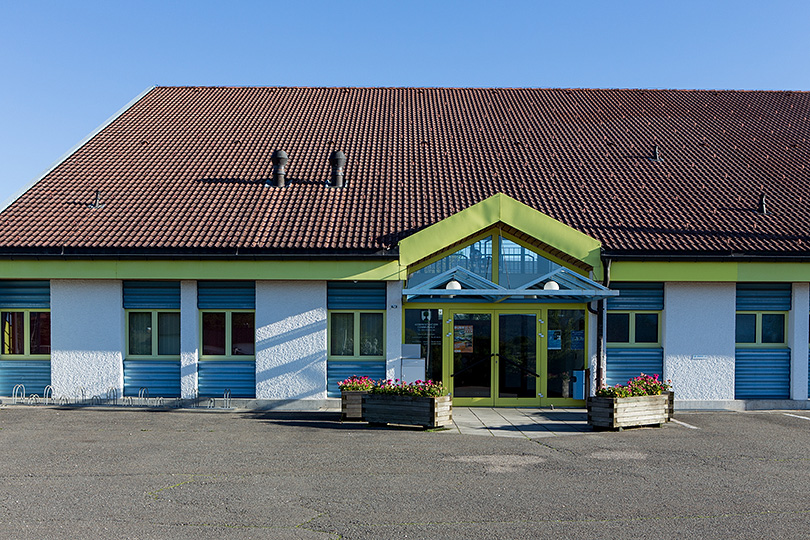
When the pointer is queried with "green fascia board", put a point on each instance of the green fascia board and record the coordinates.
(370, 270)
(779, 272)
(500, 208)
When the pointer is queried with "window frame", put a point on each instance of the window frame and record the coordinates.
(758, 344)
(356, 335)
(154, 355)
(228, 336)
(632, 343)
(26, 335)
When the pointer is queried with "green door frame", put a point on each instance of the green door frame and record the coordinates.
(541, 312)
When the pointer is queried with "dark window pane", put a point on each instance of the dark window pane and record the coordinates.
(140, 334)
(341, 339)
(618, 327)
(773, 328)
(424, 327)
(13, 332)
(646, 327)
(243, 336)
(746, 328)
(169, 334)
(40, 333)
(371, 334)
(213, 334)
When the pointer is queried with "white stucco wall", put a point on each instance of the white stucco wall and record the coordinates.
(291, 340)
(189, 339)
(798, 338)
(698, 337)
(393, 330)
(87, 337)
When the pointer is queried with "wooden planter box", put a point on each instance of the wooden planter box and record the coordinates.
(630, 411)
(428, 412)
(351, 404)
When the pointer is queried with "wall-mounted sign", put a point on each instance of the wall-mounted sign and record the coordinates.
(463, 338)
(578, 340)
(554, 340)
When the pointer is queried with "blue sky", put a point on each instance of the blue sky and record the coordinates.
(68, 66)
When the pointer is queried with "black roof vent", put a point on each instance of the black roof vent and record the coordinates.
(279, 159)
(337, 160)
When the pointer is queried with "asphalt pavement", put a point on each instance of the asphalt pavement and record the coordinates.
(147, 474)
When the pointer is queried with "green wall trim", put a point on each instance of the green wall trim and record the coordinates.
(500, 208)
(791, 272)
(191, 269)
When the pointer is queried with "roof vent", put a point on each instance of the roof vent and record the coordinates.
(279, 159)
(97, 205)
(761, 207)
(337, 160)
(656, 153)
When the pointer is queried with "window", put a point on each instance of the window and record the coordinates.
(765, 329)
(357, 334)
(153, 333)
(633, 328)
(26, 333)
(228, 334)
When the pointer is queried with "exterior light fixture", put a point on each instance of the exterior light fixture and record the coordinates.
(551, 286)
(452, 285)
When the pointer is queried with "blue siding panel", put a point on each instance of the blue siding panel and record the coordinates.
(151, 295)
(337, 371)
(360, 295)
(214, 377)
(226, 294)
(35, 375)
(25, 294)
(160, 377)
(763, 296)
(762, 374)
(637, 296)
(624, 364)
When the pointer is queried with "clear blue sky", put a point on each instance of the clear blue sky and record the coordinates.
(67, 66)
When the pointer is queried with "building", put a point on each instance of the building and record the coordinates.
(528, 244)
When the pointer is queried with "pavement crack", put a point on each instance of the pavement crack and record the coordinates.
(555, 449)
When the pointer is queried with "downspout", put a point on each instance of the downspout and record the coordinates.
(601, 355)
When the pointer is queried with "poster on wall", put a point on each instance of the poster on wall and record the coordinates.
(554, 340)
(578, 340)
(463, 338)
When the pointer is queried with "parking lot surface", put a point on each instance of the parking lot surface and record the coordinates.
(124, 473)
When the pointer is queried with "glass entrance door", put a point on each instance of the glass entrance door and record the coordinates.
(495, 358)
(472, 355)
(516, 358)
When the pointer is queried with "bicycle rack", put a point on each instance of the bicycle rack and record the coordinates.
(83, 393)
(18, 393)
(128, 401)
(47, 394)
(143, 395)
(226, 399)
(211, 403)
(33, 399)
(112, 395)
(95, 400)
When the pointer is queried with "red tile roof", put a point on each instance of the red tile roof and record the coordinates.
(184, 169)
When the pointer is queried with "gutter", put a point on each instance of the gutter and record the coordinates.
(683, 257)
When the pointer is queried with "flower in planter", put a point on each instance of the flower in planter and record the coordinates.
(356, 384)
(643, 385)
(417, 388)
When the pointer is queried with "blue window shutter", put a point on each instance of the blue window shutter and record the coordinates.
(637, 296)
(360, 295)
(17, 294)
(763, 296)
(151, 295)
(226, 295)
